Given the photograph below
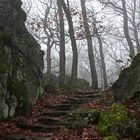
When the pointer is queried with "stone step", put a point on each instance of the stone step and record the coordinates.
(19, 137)
(13, 137)
(72, 102)
(55, 113)
(93, 96)
(39, 128)
(81, 99)
(61, 107)
(49, 121)
(86, 92)
(40, 138)
(64, 124)
(75, 103)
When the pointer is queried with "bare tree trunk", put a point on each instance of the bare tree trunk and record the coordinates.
(135, 28)
(48, 60)
(90, 47)
(62, 45)
(73, 42)
(102, 60)
(126, 30)
(123, 11)
(49, 43)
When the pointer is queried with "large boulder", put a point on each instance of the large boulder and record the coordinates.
(80, 83)
(53, 80)
(21, 61)
(128, 83)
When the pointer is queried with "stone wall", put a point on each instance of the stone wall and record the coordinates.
(21, 62)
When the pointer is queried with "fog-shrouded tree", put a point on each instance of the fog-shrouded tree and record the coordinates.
(61, 44)
(90, 46)
(73, 43)
(128, 11)
(126, 29)
(116, 40)
(103, 65)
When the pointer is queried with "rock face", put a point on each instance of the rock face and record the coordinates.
(21, 62)
(128, 84)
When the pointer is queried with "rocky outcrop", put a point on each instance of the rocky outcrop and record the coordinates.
(21, 62)
(128, 84)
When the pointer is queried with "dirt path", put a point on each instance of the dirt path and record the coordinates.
(45, 118)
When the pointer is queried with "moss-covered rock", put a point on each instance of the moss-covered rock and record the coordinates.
(53, 80)
(18, 89)
(3, 110)
(128, 82)
(80, 83)
(114, 120)
(21, 59)
(54, 83)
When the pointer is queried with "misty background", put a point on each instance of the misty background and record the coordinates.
(105, 16)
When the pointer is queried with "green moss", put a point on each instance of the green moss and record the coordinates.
(110, 138)
(114, 120)
(17, 88)
(5, 38)
(3, 68)
(3, 59)
(79, 119)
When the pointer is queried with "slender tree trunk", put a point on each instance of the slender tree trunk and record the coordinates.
(136, 38)
(102, 60)
(126, 30)
(90, 47)
(73, 42)
(62, 45)
(135, 28)
(48, 60)
(49, 44)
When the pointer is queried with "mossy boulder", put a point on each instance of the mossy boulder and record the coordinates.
(128, 83)
(21, 59)
(115, 120)
(54, 83)
(53, 80)
(80, 83)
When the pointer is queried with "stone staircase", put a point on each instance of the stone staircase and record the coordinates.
(49, 121)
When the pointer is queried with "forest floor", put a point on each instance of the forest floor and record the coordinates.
(51, 108)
